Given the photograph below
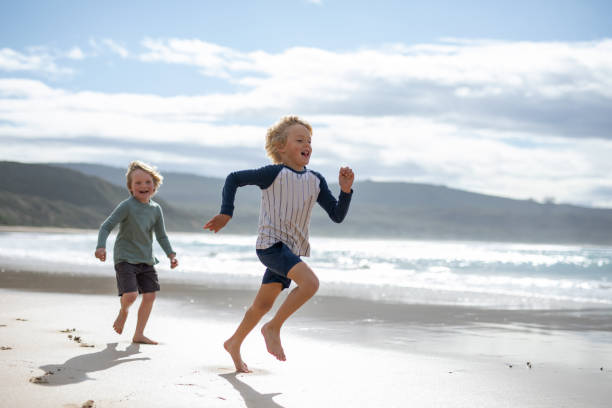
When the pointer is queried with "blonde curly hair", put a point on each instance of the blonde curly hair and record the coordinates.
(158, 179)
(276, 137)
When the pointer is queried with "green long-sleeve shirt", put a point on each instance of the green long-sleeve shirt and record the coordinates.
(137, 221)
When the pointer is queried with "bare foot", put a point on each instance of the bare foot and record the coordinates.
(120, 321)
(142, 339)
(273, 342)
(234, 351)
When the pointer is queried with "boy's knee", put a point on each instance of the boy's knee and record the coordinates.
(315, 284)
(305, 278)
(311, 284)
(148, 297)
(130, 297)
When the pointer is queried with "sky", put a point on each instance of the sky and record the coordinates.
(509, 98)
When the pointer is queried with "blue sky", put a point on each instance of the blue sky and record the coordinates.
(511, 98)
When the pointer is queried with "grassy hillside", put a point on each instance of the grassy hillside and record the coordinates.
(196, 193)
(396, 210)
(198, 196)
(44, 195)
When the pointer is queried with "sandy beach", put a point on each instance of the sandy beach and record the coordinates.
(341, 352)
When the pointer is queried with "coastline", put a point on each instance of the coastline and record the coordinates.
(332, 308)
(329, 235)
(56, 230)
(373, 353)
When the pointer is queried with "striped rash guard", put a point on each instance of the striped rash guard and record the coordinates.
(287, 199)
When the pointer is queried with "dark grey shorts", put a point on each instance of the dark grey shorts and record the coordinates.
(279, 260)
(136, 277)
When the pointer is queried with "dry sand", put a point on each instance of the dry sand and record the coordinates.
(332, 362)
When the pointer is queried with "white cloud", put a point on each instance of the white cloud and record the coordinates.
(116, 48)
(100, 47)
(212, 59)
(556, 88)
(496, 117)
(36, 60)
(75, 53)
(34, 110)
(421, 150)
(479, 65)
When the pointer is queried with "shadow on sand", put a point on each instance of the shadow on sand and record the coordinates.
(75, 370)
(251, 398)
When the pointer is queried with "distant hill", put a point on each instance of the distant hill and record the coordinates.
(396, 210)
(198, 196)
(426, 211)
(44, 195)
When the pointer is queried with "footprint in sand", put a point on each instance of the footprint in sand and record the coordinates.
(39, 380)
(76, 338)
(67, 330)
(79, 340)
(43, 379)
(6, 348)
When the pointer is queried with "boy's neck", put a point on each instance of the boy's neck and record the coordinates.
(143, 202)
(293, 166)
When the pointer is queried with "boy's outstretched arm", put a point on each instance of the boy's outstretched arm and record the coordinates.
(337, 209)
(217, 222)
(262, 177)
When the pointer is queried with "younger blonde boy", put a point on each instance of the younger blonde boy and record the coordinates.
(138, 217)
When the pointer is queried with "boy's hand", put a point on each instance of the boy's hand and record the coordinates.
(173, 261)
(101, 254)
(217, 222)
(345, 179)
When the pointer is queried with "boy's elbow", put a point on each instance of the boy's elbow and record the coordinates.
(337, 218)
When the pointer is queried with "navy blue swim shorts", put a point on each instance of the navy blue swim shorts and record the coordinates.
(279, 260)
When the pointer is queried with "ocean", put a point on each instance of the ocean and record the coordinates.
(505, 276)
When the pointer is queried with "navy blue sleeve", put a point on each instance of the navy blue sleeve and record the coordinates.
(262, 177)
(336, 209)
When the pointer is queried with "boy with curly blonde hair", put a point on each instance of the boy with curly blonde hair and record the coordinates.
(138, 217)
(289, 192)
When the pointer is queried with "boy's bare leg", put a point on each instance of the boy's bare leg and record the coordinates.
(146, 305)
(262, 303)
(308, 284)
(126, 301)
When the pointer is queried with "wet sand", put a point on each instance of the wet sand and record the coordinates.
(340, 352)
